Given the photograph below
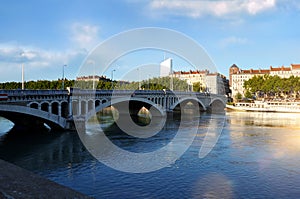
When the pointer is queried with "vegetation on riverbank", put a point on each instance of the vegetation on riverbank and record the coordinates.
(150, 84)
(270, 87)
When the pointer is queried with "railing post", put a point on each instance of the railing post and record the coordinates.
(70, 107)
(86, 108)
(50, 108)
(79, 108)
(59, 109)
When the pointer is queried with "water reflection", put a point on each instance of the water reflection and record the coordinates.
(41, 149)
(213, 185)
(265, 119)
(257, 156)
(270, 141)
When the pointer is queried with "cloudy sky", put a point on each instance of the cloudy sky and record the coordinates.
(45, 35)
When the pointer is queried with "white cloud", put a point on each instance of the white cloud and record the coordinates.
(46, 63)
(36, 60)
(218, 8)
(27, 54)
(85, 36)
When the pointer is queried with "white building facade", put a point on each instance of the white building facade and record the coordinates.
(166, 68)
(210, 82)
(237, 76)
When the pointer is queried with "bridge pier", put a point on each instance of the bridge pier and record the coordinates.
(50, 109)
(70, 108)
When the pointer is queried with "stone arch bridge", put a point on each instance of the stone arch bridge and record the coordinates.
(60, 108)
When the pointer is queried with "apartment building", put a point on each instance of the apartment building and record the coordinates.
(238, 76)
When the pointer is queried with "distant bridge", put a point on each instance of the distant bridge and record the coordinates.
(60, 108)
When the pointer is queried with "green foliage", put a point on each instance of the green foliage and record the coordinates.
(40, 84)
(273, 86)
(248, 94)
(230, 103)
(238, 96)
(198, 87)
(152, 84)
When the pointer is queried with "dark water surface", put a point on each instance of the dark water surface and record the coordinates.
(256, 156)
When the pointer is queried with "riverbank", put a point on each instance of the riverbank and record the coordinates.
(16, 182)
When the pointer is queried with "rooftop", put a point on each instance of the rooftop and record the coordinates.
(267, 71)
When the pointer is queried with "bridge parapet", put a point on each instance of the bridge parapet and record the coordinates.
(34, 95)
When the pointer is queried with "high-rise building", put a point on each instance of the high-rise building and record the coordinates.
(166, 67)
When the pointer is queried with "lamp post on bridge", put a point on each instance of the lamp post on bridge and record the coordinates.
(22, 66)
(149, 82)
(63, 77)
(92, 62)
(139, 80)
(112, 78)
(23, 85)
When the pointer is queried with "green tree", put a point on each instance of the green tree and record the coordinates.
(248, 94)
(197, 87)
(238, 96)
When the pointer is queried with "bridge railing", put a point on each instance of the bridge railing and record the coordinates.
(135, 92)
(19, 92)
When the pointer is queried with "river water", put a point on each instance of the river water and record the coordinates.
(257, 156)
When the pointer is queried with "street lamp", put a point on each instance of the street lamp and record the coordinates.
(92, 62)
(149, 82)
(112, 78)
(23, 85)
(63, 82)
(171, 79)
(22, 66)
(139, 78)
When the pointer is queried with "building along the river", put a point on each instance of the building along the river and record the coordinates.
(215, 83)
(238, 76)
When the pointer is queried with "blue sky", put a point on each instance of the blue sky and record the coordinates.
(45, 35)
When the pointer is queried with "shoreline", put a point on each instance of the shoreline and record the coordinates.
(16, 182)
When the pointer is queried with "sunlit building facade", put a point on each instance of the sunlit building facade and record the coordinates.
(215, 83)
(237, 76)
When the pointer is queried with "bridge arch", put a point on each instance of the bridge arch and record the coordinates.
(31, 117)
(104, 100)
(97, 103)
(75, 108)
(45, 106)
(34, 105)
(217, 105)
(83, 106)
(188, 99)
(55, 107)
(158, 109)
(64, 109)
(218, 99)
(90, 105)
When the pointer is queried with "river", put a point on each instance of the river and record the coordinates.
(257, 156)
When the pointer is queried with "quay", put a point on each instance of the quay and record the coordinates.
(16, 182)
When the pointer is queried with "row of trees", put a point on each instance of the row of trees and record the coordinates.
(40, 84)
(268, 86)
(151, 84)
(154, 84)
